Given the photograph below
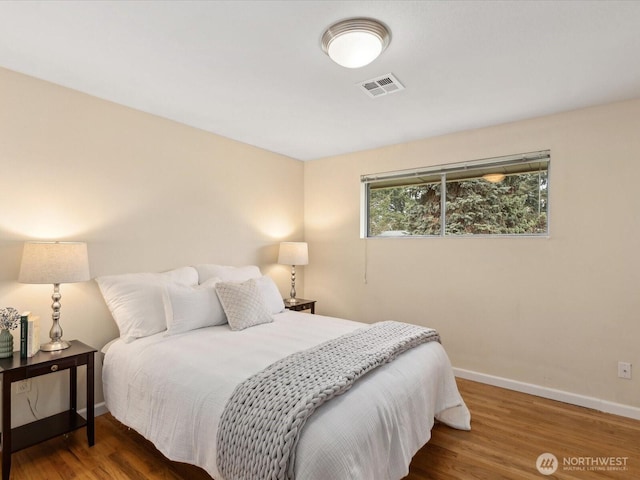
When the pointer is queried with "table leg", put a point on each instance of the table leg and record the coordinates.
(73, 389)
(6, 427)
(90, 401)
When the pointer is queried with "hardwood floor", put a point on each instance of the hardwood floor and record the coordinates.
(509, 431)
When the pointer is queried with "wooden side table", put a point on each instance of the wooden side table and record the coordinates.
(14, 369)
(301, 304)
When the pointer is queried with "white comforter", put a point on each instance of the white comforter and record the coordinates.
(172, 390)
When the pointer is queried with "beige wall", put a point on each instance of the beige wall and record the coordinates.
(558, 312)
(148, 194)
(145, 193)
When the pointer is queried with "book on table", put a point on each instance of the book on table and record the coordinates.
(24, 332)
(33, 335)
(29, 335)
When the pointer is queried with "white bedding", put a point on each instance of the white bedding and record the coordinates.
(172, 390)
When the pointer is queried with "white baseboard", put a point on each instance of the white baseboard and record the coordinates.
(551, 393)
(99, 409)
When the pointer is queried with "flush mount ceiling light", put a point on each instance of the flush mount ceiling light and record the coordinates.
(355, 42)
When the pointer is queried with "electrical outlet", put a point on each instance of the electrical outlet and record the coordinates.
(624, 370)
(23, 386)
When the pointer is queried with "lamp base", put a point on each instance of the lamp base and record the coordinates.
(54, 346)
(292, 301)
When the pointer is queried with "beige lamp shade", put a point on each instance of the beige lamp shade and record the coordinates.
(54, 262)
(293, 253)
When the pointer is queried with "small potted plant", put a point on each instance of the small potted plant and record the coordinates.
(9, 319)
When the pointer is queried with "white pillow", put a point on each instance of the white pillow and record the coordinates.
(190, 307)
(270, 294)
(227, 273)
(136, 300)
(243, 303)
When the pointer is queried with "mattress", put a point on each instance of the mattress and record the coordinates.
(173, 389)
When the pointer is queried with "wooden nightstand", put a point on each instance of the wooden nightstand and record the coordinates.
(301, 304)
(14, 369)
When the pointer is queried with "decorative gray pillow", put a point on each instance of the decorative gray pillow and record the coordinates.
(243, 303)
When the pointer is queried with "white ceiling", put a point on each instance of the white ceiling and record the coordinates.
(254, 70)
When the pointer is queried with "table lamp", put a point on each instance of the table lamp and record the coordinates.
(56, 263)
(293, 253)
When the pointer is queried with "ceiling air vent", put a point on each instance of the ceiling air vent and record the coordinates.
(379, 86)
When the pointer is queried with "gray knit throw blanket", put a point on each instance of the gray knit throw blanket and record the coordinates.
(263, 419)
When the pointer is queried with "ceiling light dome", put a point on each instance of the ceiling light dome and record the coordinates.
(355, 42)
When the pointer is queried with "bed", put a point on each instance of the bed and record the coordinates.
(172, 388)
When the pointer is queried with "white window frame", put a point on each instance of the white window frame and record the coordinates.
(471, 168)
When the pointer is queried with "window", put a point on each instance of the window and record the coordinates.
(497, 196)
